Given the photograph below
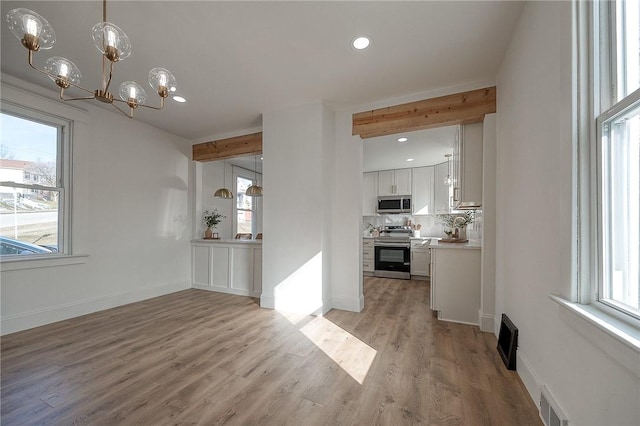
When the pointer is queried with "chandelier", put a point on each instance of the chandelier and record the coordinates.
(36, 33)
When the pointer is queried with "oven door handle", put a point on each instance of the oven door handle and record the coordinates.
(399, 245)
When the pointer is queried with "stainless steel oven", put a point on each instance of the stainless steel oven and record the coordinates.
(392, 257)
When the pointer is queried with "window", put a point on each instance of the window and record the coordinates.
(34, 183)
(244, 207)
(617, 150)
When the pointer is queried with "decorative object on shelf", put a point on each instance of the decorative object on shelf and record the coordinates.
(36, 33)
(456, 226)
(448, 180)
(370, 229)
(254, 190)
(211, 219)
(223, 192)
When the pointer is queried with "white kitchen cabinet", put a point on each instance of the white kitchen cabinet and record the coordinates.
(441, 191)
(467, 165)
(369, 193)
(420, 258)
(228, 267)
(456, 283)
(368, 256)
(394, 182)
(422, 194)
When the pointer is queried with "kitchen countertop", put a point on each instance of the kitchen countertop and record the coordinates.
(470, 245)
(226, 241)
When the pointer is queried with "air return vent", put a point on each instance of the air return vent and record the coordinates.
(550, 412)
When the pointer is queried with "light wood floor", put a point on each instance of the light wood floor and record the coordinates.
(198, 357)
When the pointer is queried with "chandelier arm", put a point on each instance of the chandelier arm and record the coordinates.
(73, 99)
(106, 89)
(130, 115)
(55, 76)
(154, 107)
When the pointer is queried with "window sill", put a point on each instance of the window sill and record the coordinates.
(618, 339)
(32, 262)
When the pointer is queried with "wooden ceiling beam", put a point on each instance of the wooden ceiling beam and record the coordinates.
(223, 149)
(459, 108)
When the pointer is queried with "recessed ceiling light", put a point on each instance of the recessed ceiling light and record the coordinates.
(361, 42)
(402, 139)
(179, 99)
(409, 159)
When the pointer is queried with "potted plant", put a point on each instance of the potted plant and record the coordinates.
(211, 219)
(456, 224)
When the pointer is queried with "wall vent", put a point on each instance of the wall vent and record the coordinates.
(550, 412)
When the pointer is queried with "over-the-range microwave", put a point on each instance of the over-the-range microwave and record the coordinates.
(394, 204)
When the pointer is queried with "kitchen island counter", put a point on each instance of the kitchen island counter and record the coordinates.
(470, 245)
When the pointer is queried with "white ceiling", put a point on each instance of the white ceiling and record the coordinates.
(426, 147)
(234, 60)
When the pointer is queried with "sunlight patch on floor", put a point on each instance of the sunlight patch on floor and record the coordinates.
(351, 354)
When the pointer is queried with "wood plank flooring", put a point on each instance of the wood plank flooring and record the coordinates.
(205, 358)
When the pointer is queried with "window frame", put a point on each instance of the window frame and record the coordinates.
(245, 174)
(595, 101)
(64, 172)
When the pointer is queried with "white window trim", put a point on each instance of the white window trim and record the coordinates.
(64, 184)
(614, 333)
(246, 174)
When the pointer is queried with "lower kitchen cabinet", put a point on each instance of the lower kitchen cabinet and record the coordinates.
(455, 284)
(368, 256)
(227, 267)
(420, 258)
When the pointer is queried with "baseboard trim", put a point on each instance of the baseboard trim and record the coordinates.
(268, 302)
(487, 322)
(346, 304)
(40, 317)
(528, 376)
(234, 291)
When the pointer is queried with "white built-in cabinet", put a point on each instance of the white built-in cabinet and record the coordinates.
(420, 258)
(394, 182)
(441, 191)
(368, 256)
(467, 165)
(455, 283)
(227, 267)
(422, 190)
(369, 193)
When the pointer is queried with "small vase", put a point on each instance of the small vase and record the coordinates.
(208, 233)
(462, 233)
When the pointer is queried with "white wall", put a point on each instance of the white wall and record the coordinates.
(488, 224)
(533, 238)
(130, 215)
(296, 147)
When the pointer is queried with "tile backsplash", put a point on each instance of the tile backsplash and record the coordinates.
(430, 226)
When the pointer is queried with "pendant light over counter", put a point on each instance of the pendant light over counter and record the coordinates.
(224, 192)
(448, 180)
(254, 190)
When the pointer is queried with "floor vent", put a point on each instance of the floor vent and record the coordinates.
(550, 412)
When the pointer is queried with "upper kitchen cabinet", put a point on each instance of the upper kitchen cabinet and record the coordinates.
(441, 191)
(422, 193)
(394, 182)
(467, 167)
(369, 193)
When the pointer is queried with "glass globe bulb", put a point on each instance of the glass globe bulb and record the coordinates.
(25, 23)
(111, 41)
(132, 93)
(162, 81)
(62, 70)
(448, 181)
